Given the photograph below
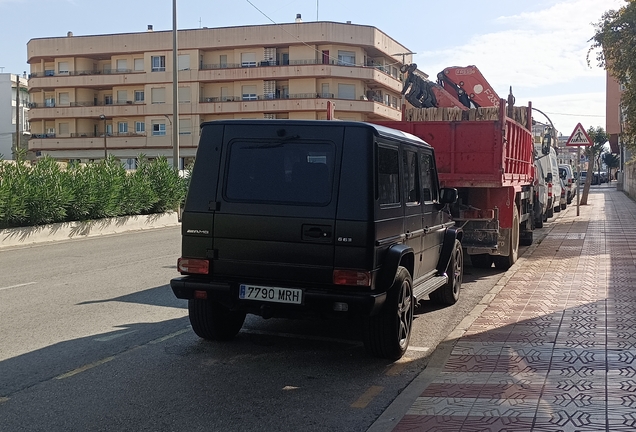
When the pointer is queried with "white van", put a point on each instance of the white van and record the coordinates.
(569, 178)
(550, 165)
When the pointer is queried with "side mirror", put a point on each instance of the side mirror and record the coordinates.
(447, 195)
(548, 178)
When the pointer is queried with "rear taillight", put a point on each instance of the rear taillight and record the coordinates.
(352, 277)
(193, 266)
(549, 190)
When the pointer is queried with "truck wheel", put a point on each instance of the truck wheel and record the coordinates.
(557, 208)
(549, 213)
(481, 260)
(564, 206)
(449, 293)
(538, 222)
(387, 334)
(213, 321)
(505, 262)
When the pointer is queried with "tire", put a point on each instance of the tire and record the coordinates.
(505, 262)
(449, 293)
(549, 213)
(212, 321)
(564, 206)
(557, 208)
(538, 223)
(526, 238)
(481, 260)
(387, 334)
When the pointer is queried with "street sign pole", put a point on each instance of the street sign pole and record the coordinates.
(578, 181)
(578, 138)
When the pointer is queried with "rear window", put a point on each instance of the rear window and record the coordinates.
(280, 172)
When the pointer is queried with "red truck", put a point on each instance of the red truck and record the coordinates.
(485, 154)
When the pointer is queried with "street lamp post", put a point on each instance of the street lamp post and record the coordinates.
(103, 118)
(175, 89)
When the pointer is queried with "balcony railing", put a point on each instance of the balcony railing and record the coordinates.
(49, 73)
(264, 63)
(90, 135)
(269, 96)
(81, 104)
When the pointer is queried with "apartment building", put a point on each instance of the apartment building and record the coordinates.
(9, 106)
(112, 94)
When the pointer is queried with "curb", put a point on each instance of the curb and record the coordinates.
(26, 236)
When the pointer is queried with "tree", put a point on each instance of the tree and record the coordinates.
(615, 44)
(599, 138)
(612, 161)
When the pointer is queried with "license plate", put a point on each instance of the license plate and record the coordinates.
(271, 294)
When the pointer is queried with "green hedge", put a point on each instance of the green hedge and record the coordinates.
(47, 192)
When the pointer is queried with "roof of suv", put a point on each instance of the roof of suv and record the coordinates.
(379, 130)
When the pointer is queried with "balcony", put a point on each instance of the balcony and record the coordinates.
(82, 104)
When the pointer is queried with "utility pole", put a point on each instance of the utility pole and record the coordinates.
(175, 89)
(17, 115)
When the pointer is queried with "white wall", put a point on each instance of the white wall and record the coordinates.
(7, 117)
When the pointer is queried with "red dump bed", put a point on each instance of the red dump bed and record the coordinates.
(476, 153)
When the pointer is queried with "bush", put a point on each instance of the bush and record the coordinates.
(46, 192)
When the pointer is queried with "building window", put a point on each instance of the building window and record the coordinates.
(63, 98)
(158, 63)
(122, 65)
(223, 61)
(325, 90)
(183, 62)
(184, 94)
(108, 100)
(185, 126)
(62, 68)
(225, 95)
(140, 127)
(122, 127)
(49, 102)
(346, 91)
(122, 96)
(158, 129)
(139, 64)
(63, 128)
(158, 95)
(130, 164)
(139, 95)
(248, 60)
(346, 58)
(249, 92)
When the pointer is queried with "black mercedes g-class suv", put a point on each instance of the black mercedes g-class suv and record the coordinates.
(288, 218)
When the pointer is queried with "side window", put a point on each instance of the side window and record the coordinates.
(429, 187)
(411, 180)
(388, 176)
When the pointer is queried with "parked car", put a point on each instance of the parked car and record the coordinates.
(583, 177)
(550, 165)
(542, 202)
(292, 218)
(569, 178)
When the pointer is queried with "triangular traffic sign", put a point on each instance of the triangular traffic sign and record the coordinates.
(579, 137)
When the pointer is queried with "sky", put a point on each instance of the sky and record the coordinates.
(537, 47)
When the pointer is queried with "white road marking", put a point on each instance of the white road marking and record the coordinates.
(17, 286)
(85, 368)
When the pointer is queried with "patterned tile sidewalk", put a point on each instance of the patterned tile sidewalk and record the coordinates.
(555, 349)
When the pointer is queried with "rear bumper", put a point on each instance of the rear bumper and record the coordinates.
(315, 301)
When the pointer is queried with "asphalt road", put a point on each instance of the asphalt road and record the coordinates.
(92, 339)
